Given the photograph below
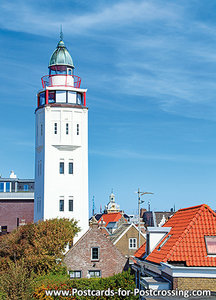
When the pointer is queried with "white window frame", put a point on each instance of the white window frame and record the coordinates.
(72, 274)
(95, 259)
(132, 243)
(94, 271)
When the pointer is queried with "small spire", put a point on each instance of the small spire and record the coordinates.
(61, 34)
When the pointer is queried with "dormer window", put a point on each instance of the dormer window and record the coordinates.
(210, 245)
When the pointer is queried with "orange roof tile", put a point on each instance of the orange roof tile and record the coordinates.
(110, 217)
(141, 251)
(187, 242)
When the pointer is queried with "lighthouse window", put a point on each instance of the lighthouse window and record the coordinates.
(69, 71)
(70, 168)
(41, 129)
(77, 129)
(55, 128)
(70, 204)
(61, 205)
(42, 99)
(79, 98)
(51, 97)
(60, 97)
(71, 97)
(67, 128)
(61, 168)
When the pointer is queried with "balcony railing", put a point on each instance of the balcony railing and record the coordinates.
(61, 80)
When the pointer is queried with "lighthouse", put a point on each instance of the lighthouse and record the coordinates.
(61, 143)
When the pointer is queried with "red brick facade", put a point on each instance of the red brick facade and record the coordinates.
(12, 212)
(110, 261)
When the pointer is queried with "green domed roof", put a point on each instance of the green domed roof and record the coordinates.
(61, 56)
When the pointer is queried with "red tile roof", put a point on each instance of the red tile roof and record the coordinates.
(110, 217)
(187, 242)
(141, 251)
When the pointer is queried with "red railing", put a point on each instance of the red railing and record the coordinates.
(64, 80)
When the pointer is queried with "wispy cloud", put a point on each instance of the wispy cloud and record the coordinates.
(27, 17)
(178, 158)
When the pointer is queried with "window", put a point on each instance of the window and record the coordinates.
(75, 274)
(55, 128)
(70, 71)
(51, 98)
(1, 187)
(132, 243)
(8, 187)
(61, 168)
(70, 204)
(61, 205)
(70, 168)
(95, 273)
(3, 229)
(60, 96)
(26, 187)
(77, 129)
(41, 129)
(79, 98)
(67, 128)
(42, 99)
(95, 253)
(210, 245)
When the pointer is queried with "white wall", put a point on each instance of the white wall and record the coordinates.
(52, 148)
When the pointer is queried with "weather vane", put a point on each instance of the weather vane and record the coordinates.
(61, 34)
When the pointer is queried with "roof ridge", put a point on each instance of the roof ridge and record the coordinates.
(187, 229)
(192, 207)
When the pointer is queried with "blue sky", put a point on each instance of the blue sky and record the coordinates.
(150, 71)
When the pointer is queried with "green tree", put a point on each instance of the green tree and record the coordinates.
(40, 245)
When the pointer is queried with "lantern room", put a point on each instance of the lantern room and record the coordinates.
(61, 85)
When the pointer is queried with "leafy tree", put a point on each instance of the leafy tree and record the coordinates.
(40, 245)
(16, 282)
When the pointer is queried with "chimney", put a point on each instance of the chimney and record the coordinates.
(93, 223)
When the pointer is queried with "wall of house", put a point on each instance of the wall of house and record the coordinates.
(110, 262)
(182, 283)
(123, 243)
(13, 209)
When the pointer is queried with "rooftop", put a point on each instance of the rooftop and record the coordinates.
(186, 243)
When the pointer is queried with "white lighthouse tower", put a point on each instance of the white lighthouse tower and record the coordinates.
(61, 147)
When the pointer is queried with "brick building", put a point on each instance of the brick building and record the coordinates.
(94, 255)
(181, 254)
(16, 202)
